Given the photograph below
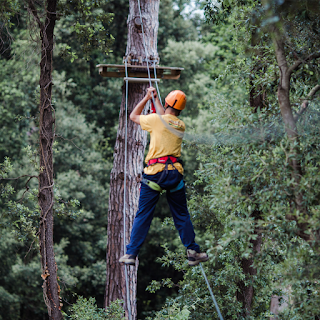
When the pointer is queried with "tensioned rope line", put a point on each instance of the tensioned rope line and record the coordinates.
(212, 296)
(155, 76)
(124, 193)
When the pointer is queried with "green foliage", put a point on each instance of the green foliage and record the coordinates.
(244, 186)
(174, 25)
(18, 89)
(8, 8)
(86, 309)
(240, 160)
(172, 312)
(80, 173)
(195, 80)
(87, 21)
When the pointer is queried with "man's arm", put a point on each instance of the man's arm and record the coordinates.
(136, 112)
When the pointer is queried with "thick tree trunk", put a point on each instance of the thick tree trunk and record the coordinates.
(51, 289)
(137, 139)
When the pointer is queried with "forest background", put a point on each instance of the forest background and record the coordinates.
(238, 160)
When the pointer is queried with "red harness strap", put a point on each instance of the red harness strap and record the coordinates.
(162, 160)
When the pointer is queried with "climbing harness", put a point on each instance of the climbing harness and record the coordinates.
(162, 160)
(152, 185)
(155, 186)
(178, 187)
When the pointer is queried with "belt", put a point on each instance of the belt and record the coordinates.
(163, 160)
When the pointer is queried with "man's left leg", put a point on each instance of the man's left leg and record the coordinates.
(181, 217)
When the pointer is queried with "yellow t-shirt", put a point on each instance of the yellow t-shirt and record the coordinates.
(163, 142)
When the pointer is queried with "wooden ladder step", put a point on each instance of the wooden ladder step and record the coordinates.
(130, 79)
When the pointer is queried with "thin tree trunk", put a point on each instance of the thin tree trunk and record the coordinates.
(245, 293)
(51, 289)
(291, 129)
(137, 139)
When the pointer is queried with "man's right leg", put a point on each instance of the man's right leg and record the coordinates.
(141, 224)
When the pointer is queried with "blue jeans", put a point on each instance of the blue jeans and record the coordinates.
(178, 205)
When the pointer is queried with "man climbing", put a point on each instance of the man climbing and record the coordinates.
(163, 172)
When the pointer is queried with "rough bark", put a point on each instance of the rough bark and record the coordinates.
(51, 289)
(245, 293)
(137, 139)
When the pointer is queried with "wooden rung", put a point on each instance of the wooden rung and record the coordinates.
(138, 71)
(130, 79)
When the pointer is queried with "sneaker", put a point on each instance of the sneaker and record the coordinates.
(128, 259)
(194, 258)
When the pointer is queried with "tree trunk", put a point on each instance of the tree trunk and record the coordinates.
(291, 130)
(245, 293)
(51, 289)
(137, 139)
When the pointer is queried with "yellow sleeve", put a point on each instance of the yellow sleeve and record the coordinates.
(147, 122)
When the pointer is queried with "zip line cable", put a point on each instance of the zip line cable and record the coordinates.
(124, 193)
(212, 296)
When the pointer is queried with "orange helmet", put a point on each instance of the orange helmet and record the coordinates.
(176, 99)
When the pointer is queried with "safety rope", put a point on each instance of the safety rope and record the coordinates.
(212, 296)
(155, 76)
(124, 193)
